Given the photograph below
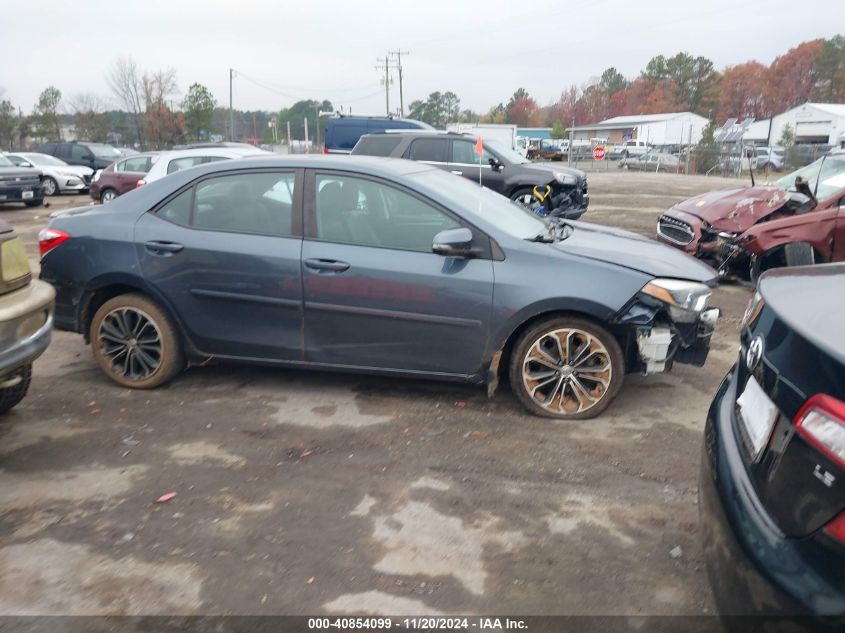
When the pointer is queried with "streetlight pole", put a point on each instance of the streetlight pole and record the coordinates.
(231, 107)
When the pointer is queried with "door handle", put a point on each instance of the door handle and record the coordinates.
(327, 264)
(457, 173)
(155, 246)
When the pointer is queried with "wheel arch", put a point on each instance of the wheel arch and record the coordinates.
(107, 287)
(505, 340)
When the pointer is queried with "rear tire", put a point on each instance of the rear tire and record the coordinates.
(135, 343)
(107, 195)
(566, 368)
(10, 396)
(34, 203)
(799, 254)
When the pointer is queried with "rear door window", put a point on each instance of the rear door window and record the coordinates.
(260, 203)
(344, 134)
(433, 150)
(63, 150)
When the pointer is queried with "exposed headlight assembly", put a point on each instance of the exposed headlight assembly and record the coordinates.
(685, 299)
(565, 179)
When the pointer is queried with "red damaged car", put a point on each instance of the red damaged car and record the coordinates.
(742, 232)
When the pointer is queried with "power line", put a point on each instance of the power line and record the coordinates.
(383, 63)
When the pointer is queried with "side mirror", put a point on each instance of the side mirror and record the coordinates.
(25, 164)
(454, 243)
(495, 164)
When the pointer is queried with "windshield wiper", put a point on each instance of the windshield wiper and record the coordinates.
(545, 238)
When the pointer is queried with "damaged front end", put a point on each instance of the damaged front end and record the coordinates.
(668, 321)
(564, 197)
(714, 227)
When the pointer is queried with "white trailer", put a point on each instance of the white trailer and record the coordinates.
(504, 133)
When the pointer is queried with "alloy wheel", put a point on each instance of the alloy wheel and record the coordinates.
(108, 196)
(131, 341)
(567, 371)
(49, 186)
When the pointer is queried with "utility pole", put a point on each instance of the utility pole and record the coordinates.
(398, 55)
(384, 64)
(231, 107)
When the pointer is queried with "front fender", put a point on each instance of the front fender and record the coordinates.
(815, 227)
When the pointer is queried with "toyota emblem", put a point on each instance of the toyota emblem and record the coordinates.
(754, 353)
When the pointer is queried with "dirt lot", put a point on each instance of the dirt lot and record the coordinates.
(310, 492)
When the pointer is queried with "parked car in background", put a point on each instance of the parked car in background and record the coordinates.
(653, 161)
(164, 163)
(373, 265)
(562, 190)
(243, 148)
(631, 147)
(93, 155)
(342, 132)
(121, 176)
(26, 319)
(772, 486)
(20, 184)
(769, 158)
(56, 175)
(742, 232)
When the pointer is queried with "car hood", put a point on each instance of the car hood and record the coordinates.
(19, 172)
(734, 210)
(633, 251)
(543, 170)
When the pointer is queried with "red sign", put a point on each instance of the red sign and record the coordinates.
(598, 153)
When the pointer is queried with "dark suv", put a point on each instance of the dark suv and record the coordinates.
(93, 155)
(561, 191)
(20, 184)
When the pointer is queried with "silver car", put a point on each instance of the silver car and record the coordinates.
(57, 176)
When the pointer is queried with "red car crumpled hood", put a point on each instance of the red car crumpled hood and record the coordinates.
(734, 210)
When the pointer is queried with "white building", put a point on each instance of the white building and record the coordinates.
(811, 123)
(671, 128)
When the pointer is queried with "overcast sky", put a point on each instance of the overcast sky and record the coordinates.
(284, 51)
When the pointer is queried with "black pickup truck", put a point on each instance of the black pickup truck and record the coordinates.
(19, 184)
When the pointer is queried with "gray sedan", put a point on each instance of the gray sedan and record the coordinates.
(371, 265)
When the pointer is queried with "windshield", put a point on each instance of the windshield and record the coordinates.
(832, 179)
(104, 151)
(506, 152)
(507, 216)
(44, 159)
(5, 162)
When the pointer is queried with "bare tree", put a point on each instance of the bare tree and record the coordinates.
(163, 126)
(128, 85)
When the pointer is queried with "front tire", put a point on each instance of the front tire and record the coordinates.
(566, 368)
(34, 203)
(11, 396)
(135, 343)
(799, 254)
(524, 196)
(50, 186)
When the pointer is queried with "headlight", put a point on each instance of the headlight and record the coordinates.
(565, 179)
(685, 299)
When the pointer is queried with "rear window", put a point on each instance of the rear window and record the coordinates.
(376, 145)
(344, 133)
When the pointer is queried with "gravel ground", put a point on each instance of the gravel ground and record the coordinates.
(300, 492)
